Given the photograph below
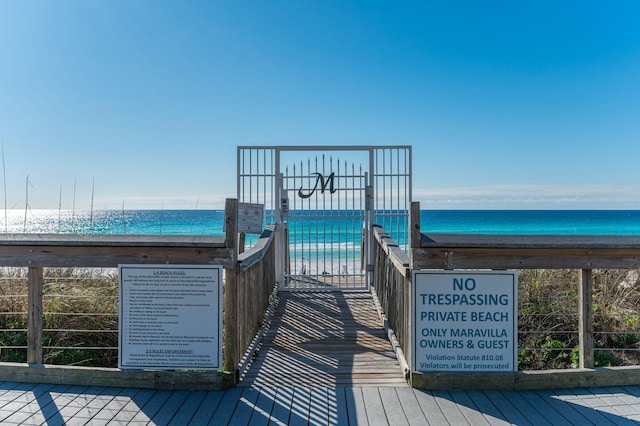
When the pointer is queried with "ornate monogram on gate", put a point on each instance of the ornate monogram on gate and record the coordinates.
(323, 185)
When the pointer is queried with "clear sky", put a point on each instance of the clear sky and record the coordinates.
(507, 104)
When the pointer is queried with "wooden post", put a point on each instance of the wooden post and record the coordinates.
(414, 217)
(34, 316)
(230, 358)
(585, 299)
(242, 240)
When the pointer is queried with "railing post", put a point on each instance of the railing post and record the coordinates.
(230, 291)
(585, 297)
(416, 238)
(34, 315)
(242, 240)
(414, 217)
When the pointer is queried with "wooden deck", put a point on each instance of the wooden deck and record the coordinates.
(53, 405)
(325, 339)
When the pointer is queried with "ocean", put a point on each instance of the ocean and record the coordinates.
(533, 222)
(210, 222)
(316, 250)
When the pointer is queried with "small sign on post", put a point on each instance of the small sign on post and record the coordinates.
(250, 218)
(170, 317)
(465, 321)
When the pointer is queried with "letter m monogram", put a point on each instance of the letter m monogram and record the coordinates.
(323, 185)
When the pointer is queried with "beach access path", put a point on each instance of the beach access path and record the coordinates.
(52, 405)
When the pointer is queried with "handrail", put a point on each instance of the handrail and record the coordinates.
(254, 286)
(468, 251)
(109, 251)
(392, 286)
(259, 250)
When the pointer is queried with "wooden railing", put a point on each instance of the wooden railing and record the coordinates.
(499, 252)
(249, 281)
(250, 291)
(392, 285)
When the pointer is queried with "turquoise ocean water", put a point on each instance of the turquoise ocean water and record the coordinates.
(312, 243)
(209, 222)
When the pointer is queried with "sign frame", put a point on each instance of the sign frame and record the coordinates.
(169, 315)
(250, 218)
(434, 348)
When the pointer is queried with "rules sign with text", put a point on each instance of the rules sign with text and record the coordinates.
(170, 317)
(465, 321)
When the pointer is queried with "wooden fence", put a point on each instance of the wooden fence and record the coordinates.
(250, 281)
(501, 252)
(245, 300)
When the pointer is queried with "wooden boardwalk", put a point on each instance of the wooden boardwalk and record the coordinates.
(326, 339)
(55, 405)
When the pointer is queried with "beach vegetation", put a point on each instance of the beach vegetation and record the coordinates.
(548, 318)
(80, 317)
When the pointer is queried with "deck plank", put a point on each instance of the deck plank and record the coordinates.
(632, 391)
(337, 401)
(263, 408)
(300, 406)
(468, 408)
(392, 406)
(373, 406)
(430, 407)
(170, 407)
(356, 411)
(245, 407)
(449, 408)
(542, 405)
(410, 406)
(585, 403)
(487, 408)
(206, 408)
(318, 406)
(152, 406)
(566, 410)
(188, 408)
(604, 402)
(507, 410)
(226, 407)
(281, 410)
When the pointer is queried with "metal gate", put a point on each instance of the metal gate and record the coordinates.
(324, 200)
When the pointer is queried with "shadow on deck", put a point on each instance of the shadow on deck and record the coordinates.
(325, 339)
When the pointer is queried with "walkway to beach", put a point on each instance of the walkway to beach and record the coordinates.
(326, 338)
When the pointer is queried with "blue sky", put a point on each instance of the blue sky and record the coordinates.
(506, 104)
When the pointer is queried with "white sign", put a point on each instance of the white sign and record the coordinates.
(465, 321)
(250, 218)
(170, 317)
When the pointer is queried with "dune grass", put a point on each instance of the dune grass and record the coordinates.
(81, 317)
(548, 318)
